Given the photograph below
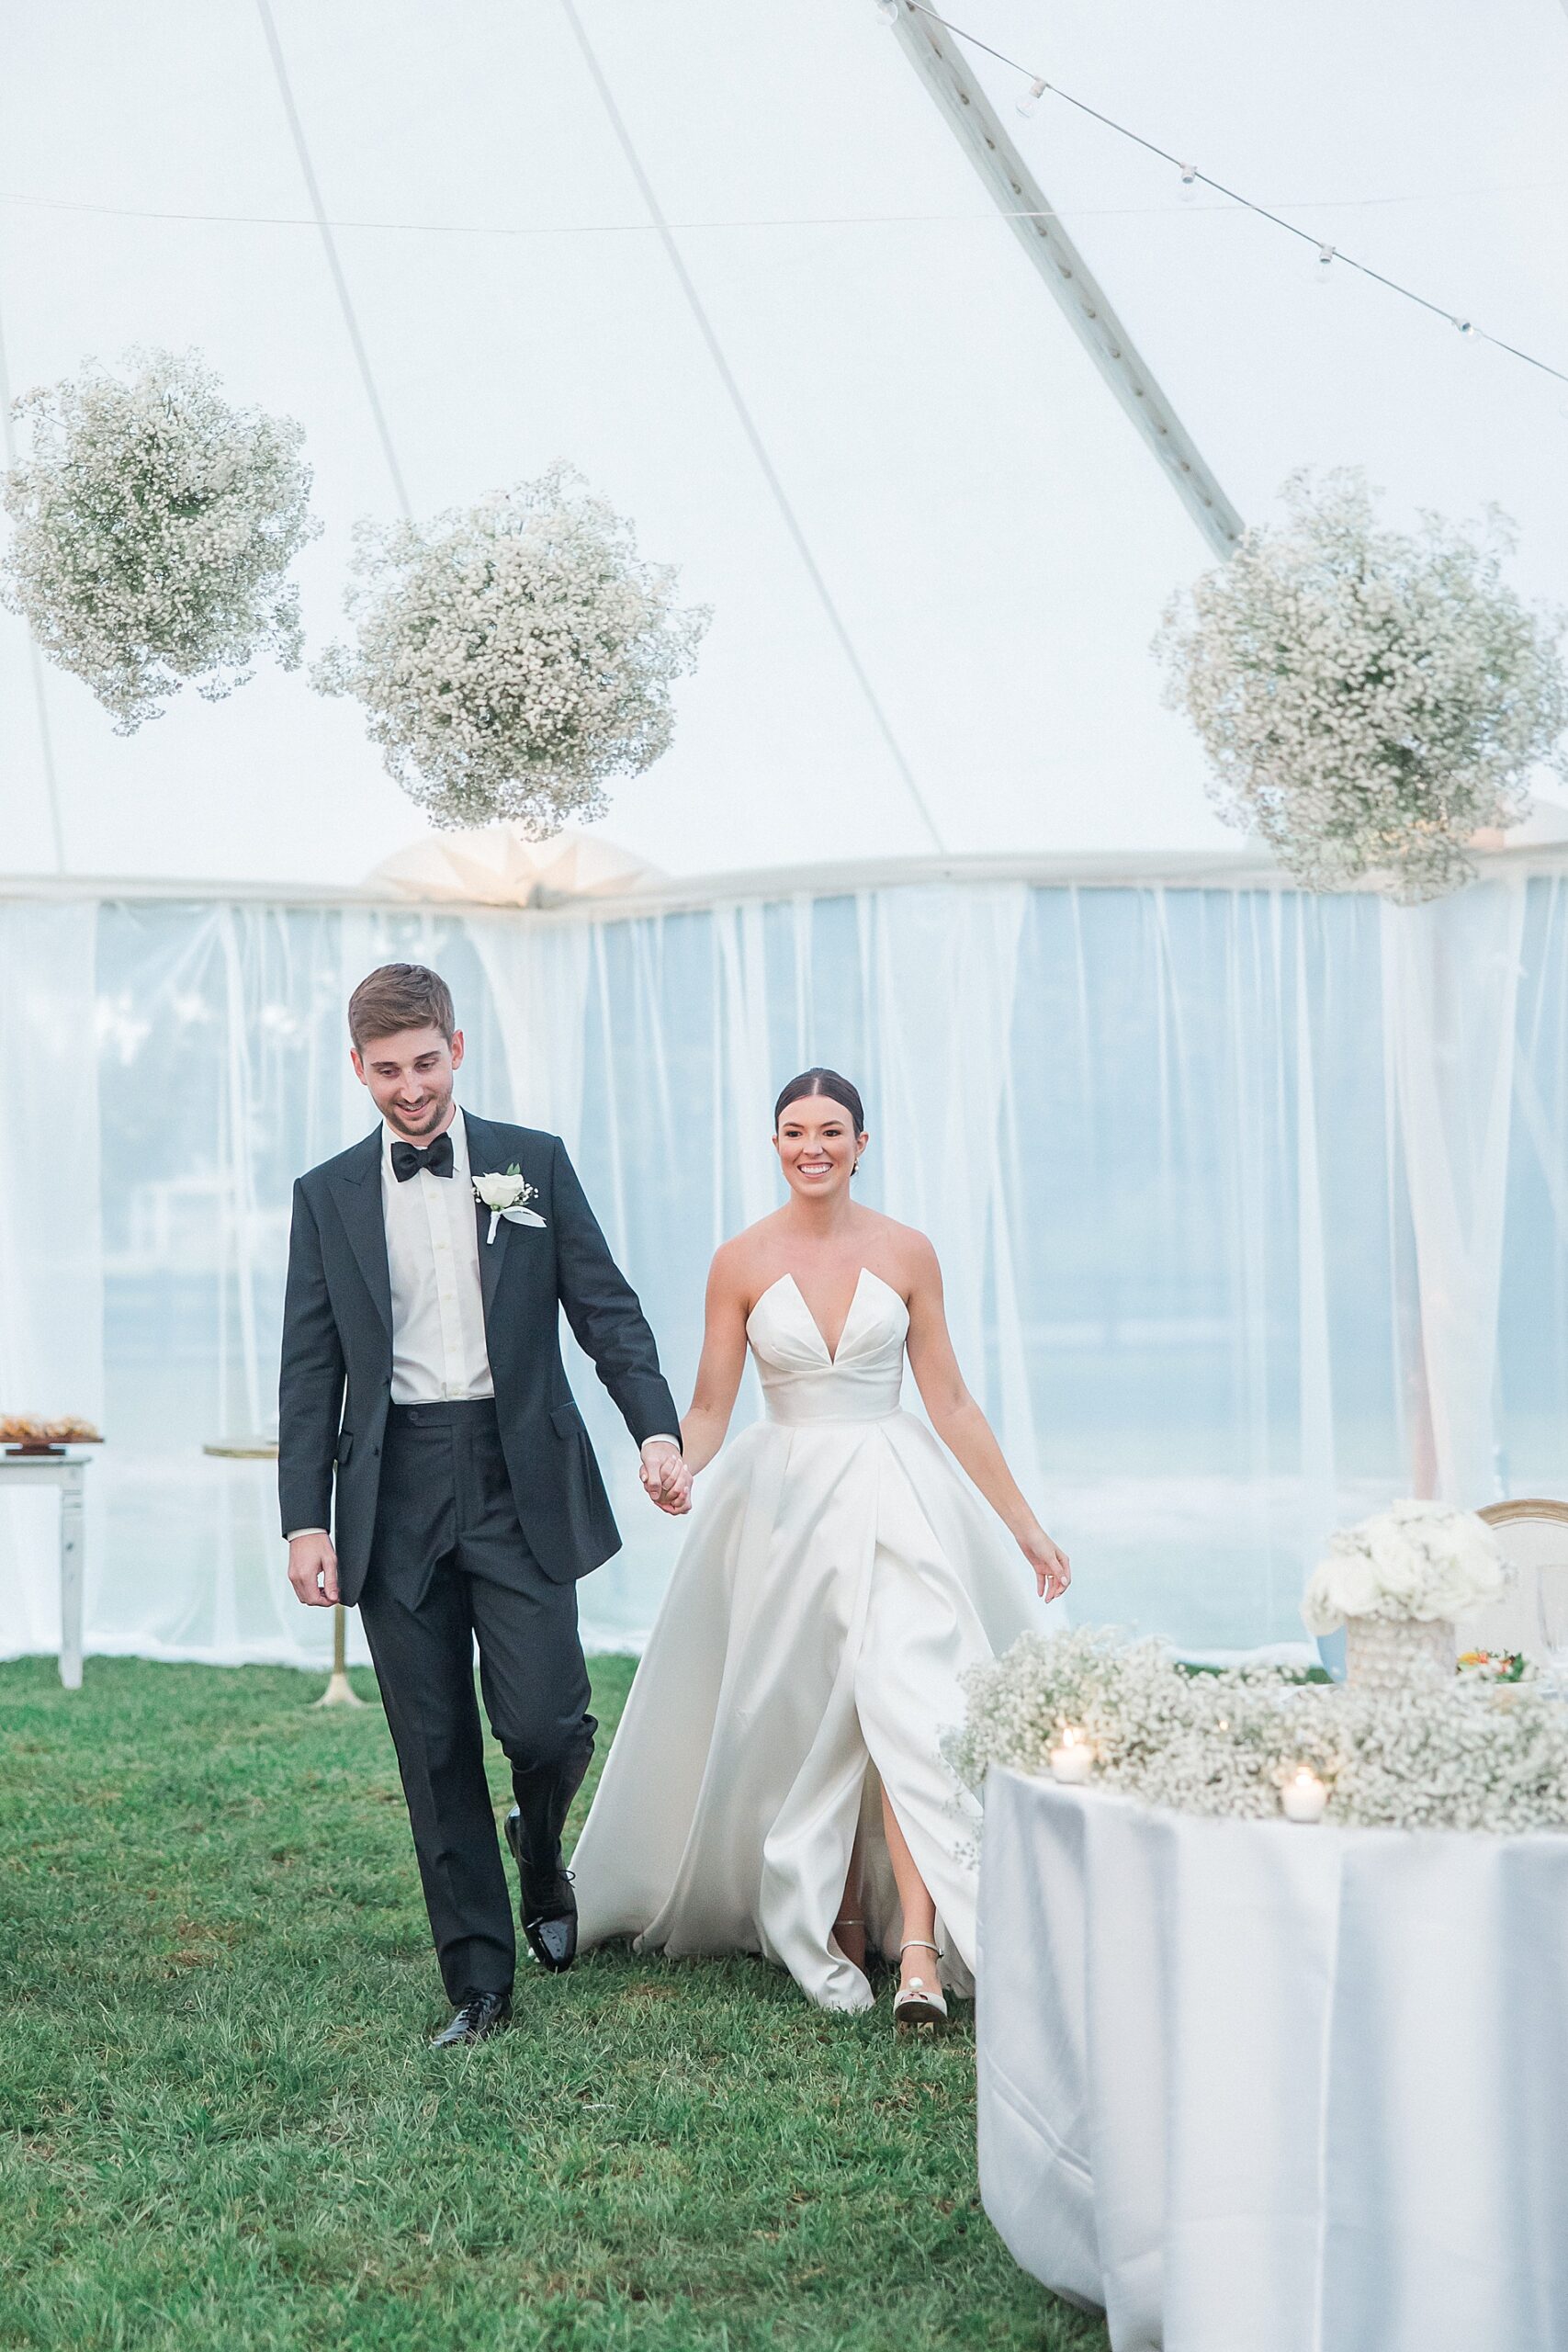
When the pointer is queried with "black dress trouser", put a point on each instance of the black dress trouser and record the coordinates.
(449, 1564)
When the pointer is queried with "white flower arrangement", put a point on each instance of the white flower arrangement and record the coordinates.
(1416, 1561)
(154, 525)
(1369, 698)
(506, 1193)
(512, 656)
(1460, 1755)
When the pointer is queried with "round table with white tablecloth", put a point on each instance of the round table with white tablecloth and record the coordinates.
(1257, 2088)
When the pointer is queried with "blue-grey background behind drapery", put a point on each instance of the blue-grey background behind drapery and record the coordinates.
(1251, 1206)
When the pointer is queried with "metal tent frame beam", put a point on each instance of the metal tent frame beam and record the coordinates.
(937, 56)
(1248, 867)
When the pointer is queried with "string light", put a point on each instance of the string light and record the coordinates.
(1192, 175)
(891, 12)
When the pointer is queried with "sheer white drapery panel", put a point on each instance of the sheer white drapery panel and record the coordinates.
(1451, 984)
(1236, 1206)
(1204, 1215)
(1530, 1400)
(224, 1072)
(51, 1321)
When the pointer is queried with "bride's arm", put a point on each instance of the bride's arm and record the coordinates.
(723, 1362)
(962, 1426)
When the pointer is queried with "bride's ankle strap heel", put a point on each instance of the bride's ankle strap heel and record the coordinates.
(918, 2003)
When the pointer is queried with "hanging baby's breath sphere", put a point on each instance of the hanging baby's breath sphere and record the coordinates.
(153, 527)
(513, 656)
(1369, 698)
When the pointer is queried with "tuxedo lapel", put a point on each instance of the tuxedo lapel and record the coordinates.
(485, 1156)
(356, 1189)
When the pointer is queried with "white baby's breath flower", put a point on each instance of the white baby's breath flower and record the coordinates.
(154, 525)
(1369, 698)
(512, 657)
(1457, 1755)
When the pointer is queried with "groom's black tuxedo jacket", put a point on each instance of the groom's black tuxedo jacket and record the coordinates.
(337, 1379)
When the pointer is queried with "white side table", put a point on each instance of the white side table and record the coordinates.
(66, 1471)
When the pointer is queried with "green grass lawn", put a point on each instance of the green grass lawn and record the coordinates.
(220, 2126)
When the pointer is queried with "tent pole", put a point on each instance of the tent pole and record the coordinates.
(938, 57)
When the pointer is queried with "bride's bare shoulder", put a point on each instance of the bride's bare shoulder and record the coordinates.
(902, 1254)
(746, 1263)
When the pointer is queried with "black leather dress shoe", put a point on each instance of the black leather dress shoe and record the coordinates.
(549, 1907)
(480, 2016)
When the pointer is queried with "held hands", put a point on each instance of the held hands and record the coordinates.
(313, 1570)
(1049, 1561)
(665, 1477)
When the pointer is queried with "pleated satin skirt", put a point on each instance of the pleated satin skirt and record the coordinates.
(840, 1579)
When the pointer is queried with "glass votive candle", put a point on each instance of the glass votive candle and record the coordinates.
(1303, 1796)
(1073, 1761)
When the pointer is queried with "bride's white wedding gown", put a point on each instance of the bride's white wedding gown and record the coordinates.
(839, 1577)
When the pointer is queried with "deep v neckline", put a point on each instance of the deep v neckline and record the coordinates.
(831, 1353)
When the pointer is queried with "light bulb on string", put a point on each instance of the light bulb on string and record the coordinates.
(892, 12)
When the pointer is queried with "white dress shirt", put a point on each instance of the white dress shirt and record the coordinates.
(432, 1255)
(439, 1351)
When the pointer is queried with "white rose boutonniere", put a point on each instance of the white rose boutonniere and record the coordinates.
(506, 1193)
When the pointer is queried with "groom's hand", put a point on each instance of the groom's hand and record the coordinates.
(665, 1477)
(313, 1570)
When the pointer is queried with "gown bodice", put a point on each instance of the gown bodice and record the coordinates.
(801, 1382)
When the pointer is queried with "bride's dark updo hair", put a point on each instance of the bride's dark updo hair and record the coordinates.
(822, 1081)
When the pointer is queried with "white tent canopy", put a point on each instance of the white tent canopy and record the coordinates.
(735, 264)
(1247, 1200)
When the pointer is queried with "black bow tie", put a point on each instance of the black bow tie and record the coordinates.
(408, 1160)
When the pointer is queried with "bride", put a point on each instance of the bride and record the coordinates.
(777, 1784)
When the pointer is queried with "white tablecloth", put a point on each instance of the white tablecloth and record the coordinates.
(1254, 2087)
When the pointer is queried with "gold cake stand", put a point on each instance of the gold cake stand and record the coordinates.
(339, 1691)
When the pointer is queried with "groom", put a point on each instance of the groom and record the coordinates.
(421, 1364)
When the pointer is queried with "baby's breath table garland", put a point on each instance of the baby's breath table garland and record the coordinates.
(153, 527)
(512, 657)
(1472, 1753)
(1369, 698)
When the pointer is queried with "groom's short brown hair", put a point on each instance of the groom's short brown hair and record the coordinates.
(397, 997)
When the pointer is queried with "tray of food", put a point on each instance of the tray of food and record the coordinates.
(32, 1433)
